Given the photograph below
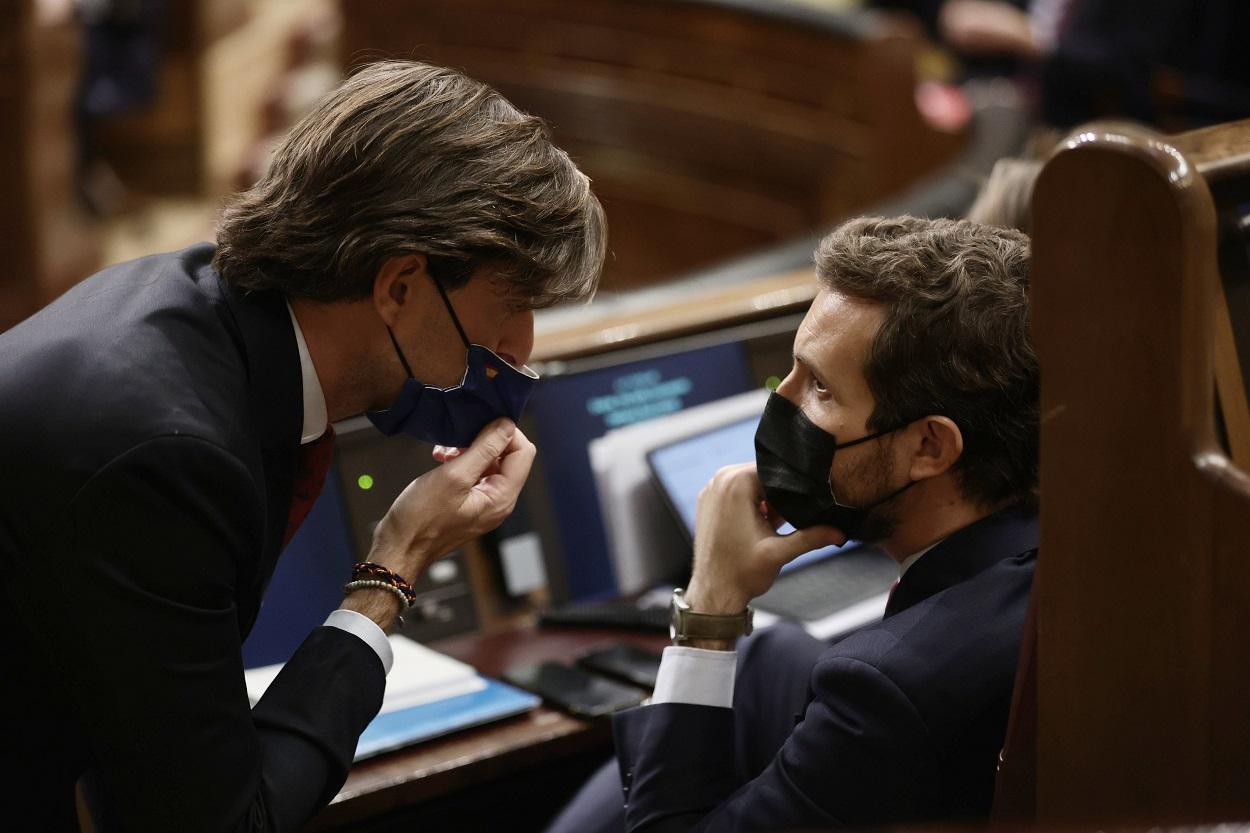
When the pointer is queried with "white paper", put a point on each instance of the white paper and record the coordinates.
(419, 675)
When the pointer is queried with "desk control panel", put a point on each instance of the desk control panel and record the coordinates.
(444, 605)
(615, 615)
(373, 469)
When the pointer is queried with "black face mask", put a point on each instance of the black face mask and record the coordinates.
(793, 457)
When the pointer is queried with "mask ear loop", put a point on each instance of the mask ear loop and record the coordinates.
(880, 501)
(442, 293)
(841, 446)
(875, 503)
(451, 311)
(399, 352)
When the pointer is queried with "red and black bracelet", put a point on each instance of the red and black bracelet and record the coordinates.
(369, 571)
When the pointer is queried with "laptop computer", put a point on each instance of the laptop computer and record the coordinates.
(832, 591)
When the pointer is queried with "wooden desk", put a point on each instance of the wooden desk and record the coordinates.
(401, 784)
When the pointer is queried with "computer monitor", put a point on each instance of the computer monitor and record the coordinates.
(570, 409)
(681, 469)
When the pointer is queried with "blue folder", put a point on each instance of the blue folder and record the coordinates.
(430, 720)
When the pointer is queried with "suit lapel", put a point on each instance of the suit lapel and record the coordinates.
(1005, 534)
(275, 399)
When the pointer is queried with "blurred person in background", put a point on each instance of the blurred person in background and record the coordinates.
(122, 42)
(1173, 63)
(1006, 198)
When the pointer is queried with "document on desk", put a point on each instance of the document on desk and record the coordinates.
(428, 694)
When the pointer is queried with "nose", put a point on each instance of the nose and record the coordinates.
(516, 340)
(789, 387)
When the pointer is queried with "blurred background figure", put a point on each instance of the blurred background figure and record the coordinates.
(764, 128)
(1006, 199)
(1174, 63)
(121, 40)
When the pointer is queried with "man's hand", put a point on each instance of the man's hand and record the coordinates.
(470, 494)
(737, 551)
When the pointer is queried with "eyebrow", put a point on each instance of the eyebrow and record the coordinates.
(811, 368)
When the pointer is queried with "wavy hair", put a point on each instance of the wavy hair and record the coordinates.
(406, 157)
(955, 339)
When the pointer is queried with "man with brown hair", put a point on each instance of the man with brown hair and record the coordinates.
(167, 427)
(909, 419)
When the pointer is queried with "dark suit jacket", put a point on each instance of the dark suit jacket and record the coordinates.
(903, 723)
(151, 419)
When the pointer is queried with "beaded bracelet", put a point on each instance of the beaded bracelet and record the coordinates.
(368, 570)
(365, 584)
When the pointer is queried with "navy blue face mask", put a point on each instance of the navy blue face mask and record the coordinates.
(793, 457)
(491, 388)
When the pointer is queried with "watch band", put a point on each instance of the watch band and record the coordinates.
(687, 625)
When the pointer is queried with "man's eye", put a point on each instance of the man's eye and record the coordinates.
(819, 385)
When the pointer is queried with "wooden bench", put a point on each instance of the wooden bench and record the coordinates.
(709, 128)
(1142, 663)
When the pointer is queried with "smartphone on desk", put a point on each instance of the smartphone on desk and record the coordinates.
(624, 662)
(574, 690)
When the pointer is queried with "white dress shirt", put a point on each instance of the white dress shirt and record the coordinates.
(702, 677)
(316, 420)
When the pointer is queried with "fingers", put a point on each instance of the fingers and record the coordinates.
(785, 548)
(495, 496)
(468, 467)
(512, 470)
(443, 453)
(514, 465)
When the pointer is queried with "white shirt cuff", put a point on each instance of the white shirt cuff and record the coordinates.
(367, 631)
(696, 676)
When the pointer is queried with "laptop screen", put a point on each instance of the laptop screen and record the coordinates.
(683, 468)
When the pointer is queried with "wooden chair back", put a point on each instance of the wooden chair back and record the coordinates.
(1142, 654)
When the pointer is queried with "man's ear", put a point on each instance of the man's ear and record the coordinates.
(941, 445)
(399, 281)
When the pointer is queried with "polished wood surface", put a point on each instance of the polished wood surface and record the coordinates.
(686, 313)
(1230, 384)
(710, 129)
(468, 759)
(1221, 156)
(1144, 590)
(46, 243)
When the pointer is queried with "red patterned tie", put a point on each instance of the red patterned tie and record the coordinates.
(311, 467)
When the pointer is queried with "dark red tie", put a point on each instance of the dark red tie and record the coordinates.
(890, 597)
(311, 466)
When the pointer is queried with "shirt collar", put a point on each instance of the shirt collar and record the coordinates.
(914, 557)
(1010, 533)
(315, 418)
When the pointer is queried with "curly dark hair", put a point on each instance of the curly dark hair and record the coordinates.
(954, 341)
(406, 157)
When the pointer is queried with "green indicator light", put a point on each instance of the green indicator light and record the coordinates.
(365, 482)
(772, 382)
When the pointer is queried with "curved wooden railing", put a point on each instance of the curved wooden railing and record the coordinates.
(1143, 589)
